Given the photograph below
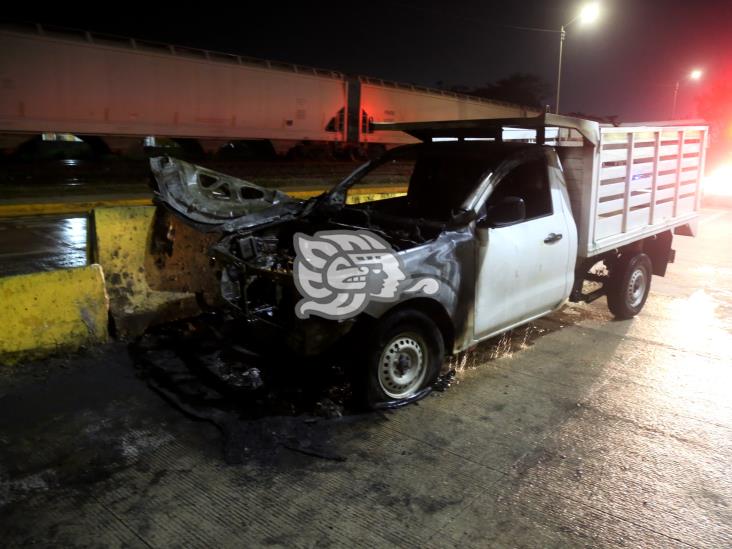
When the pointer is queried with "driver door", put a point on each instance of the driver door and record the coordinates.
(522, 266)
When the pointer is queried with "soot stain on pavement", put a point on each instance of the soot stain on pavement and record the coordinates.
(272, 408)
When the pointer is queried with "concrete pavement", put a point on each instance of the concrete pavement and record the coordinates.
(574, 431)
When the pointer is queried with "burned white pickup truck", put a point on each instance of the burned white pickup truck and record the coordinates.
(482, 226)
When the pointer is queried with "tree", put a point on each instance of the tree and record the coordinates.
(522, 88)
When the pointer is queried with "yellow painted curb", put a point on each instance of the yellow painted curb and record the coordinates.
(385, 191)
(50, 208)
(56, 208)
(46, 312)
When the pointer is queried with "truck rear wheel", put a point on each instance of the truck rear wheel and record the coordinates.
(404, 355)
(629, 286)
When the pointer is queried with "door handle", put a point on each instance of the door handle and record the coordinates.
(552, 238)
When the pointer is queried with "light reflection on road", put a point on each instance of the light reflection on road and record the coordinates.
(42, 243)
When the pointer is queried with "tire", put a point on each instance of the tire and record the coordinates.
(629, 286)
(404, 355)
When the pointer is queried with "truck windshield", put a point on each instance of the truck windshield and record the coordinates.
(431, 180)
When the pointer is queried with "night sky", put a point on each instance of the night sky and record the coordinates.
(623, 64)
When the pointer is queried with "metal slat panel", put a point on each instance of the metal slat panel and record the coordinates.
(619, 155)
(663, 194)
(613, 172)
(642, 184)
(692, 148)
(702, 159)
(691, 176)
(686, 205)
(670, 149)
(654, 179)
(688, 162)
(664, 211)
(665, 179)
(638, 218)
(614, 155)
(629, 179)
(644, 168)
(640, 199)
(643, 152)
(611, 190)
(668, 165)
(610, 206)
(608, 226)
(614, 137)
(678, 170)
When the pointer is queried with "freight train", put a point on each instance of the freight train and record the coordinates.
(56, 81)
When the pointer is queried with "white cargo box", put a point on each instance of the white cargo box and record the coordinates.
(630, 181)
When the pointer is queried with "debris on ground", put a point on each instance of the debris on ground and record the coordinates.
(444, 382)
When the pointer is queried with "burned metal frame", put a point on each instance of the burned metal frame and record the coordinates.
(216, 200)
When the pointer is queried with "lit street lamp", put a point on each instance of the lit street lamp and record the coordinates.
(587, 14)
(696, 74)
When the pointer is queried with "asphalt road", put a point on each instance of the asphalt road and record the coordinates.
(576, 431)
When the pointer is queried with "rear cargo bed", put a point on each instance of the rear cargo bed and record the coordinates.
(634, 182)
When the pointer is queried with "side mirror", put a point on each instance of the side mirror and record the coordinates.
(508, 211)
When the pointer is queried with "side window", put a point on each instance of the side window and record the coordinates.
(388, 180)
(530, 182)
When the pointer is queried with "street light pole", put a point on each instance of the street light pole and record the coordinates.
(562, 35)
(695, 74)
(676, 95)
(588, 14)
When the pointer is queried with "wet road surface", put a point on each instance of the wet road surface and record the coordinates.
(42, 243)
(575, 431)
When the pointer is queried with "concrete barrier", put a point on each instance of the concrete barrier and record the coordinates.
(43, 313)
(138, 289)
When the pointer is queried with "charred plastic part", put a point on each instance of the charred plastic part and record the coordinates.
(215, 200)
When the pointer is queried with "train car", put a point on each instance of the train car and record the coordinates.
(57, 81)
(91, 84)
(394, 102)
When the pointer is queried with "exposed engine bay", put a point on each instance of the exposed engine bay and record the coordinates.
(258, 264)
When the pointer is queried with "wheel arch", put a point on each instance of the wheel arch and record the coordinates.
(435, 311)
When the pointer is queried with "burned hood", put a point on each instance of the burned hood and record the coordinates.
(217, 201)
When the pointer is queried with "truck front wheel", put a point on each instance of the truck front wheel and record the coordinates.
(630, 282)
(404, 355)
